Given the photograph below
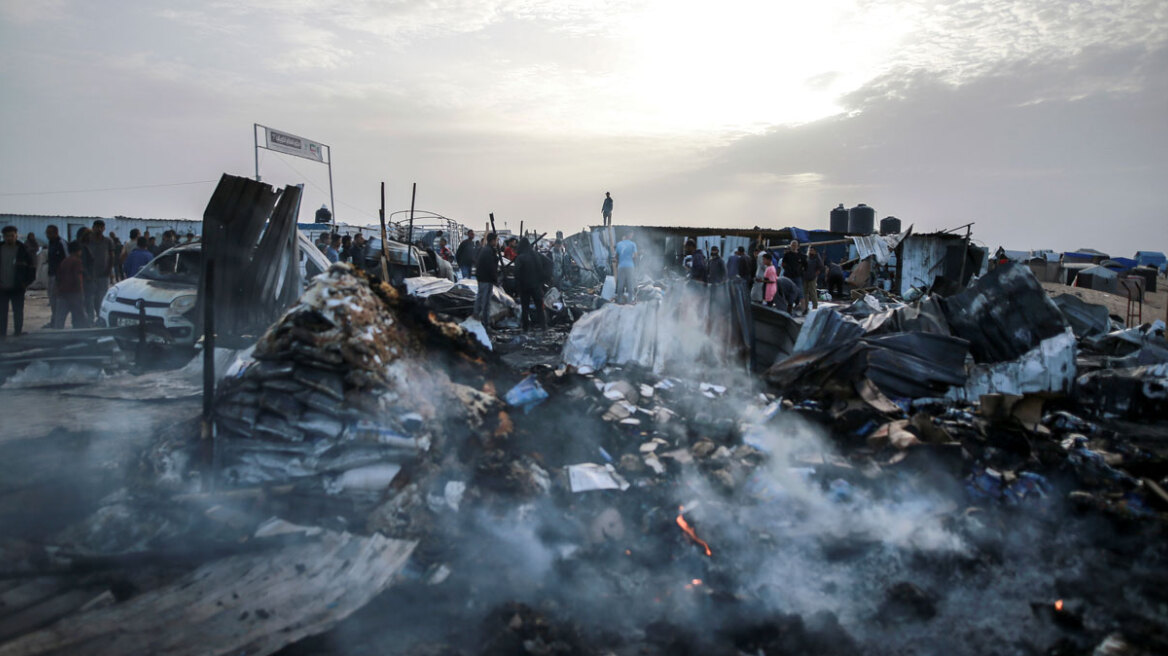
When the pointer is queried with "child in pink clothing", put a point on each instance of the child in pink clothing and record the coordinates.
(770, 279)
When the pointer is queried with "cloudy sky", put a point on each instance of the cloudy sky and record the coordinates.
(1044, 121)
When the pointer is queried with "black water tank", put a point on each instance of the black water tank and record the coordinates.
(889, 225)
(839, 219)
(323, 215)
(861, 220)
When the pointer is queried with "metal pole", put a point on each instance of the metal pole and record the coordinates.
(255, 140)
(384, 237)
(209, 361)
(964, 255)
(332, 203)
(410, 238)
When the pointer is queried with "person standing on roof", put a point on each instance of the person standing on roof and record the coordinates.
(487, 271)
(626, 254)
(466, 255)
(606, 209)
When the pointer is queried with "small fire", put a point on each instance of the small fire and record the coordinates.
(1058, 605)
(690, 532)
(697, 581)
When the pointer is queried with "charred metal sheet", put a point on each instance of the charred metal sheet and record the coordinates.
(825, 328)
(905, 366)
(775, 333)
(1048, 367)
(1006, 314)
(254, 280)
(1086, 319)
(251, 604)
(1136, 392)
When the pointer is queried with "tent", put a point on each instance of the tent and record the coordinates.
(1098, 278)
(1152, 258)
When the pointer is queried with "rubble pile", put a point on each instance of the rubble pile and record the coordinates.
(337, 393)
(970, 474)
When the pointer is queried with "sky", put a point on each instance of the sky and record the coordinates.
(1044, 122)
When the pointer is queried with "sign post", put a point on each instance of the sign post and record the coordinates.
(290, 144)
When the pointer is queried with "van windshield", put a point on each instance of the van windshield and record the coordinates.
(182, 266)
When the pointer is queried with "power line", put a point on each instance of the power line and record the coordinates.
(321, 189)
(90, 191)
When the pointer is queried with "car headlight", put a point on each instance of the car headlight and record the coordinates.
(182, 304)
(111, 295)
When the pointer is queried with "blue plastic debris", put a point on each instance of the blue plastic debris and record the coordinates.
(604, 454)
(839, 490)
(866, 429)
(990, 485)
(527, 394)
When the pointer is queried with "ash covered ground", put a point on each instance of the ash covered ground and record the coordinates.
(683, 505)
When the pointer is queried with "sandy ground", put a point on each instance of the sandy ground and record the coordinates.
(1155, 304)
(36, 311)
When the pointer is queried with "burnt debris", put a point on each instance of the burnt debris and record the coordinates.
(982, 472)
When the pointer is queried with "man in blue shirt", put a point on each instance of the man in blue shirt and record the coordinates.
(626, 252)
(138, 258)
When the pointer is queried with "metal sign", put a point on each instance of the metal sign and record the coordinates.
(293, 145)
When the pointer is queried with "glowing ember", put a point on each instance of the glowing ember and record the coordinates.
(690, 532)
(697, 581)
(1058, 605)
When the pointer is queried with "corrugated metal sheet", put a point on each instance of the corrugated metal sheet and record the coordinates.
(880, 246)
(924, 260)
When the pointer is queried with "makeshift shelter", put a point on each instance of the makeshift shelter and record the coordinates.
(1152, 258)
(1098, 278)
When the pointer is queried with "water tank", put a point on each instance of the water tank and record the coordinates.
(889, 225)
(861, 220)
(323, 215)
(839, 219)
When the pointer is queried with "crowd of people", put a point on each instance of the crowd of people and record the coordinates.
(789, 280)
(79, 272)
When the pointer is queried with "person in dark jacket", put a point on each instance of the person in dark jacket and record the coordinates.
(57, 254)
(835, 280)
(138, 258)
(716, 266)
(16, 274)
(794, 265)
(71, 290)
(466, 255)
(734, 264)
(530, 276)
(811, 279)
(487, 271)
(697, 267)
